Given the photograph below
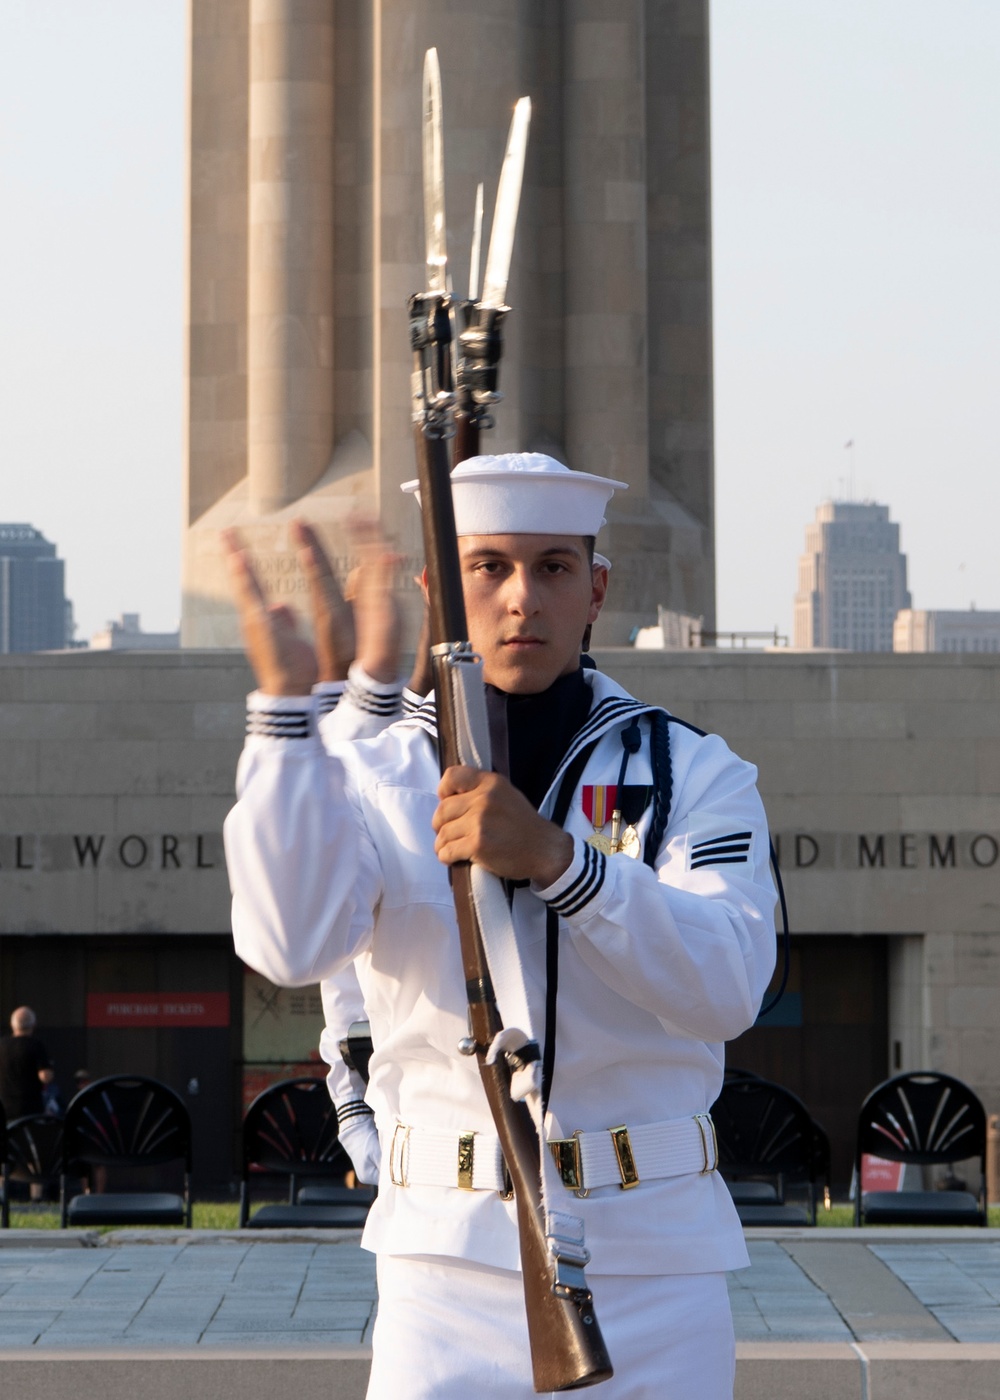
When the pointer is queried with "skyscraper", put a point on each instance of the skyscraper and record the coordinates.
(33, 611)
(852, 578)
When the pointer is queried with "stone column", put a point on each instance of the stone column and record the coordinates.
(216, 437)
(678, 213)
(290, 409)
(605, 239)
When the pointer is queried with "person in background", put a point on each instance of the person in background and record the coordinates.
(25, 1068)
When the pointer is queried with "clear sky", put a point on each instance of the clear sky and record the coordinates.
(856, 201)
(856, 189)
(92, 113)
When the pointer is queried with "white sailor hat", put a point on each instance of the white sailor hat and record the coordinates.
(526, 493)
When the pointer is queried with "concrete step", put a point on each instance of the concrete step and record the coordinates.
(764, 1371)
(866, 1370)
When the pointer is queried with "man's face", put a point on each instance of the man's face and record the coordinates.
(528, 600)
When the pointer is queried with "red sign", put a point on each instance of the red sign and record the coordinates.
(879, 1175)
(159, 1009)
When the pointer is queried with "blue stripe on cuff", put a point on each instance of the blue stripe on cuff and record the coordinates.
(582, 890)
(278, 724)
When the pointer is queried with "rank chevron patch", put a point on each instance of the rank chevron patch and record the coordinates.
(723, 847)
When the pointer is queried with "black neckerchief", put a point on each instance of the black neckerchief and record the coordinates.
(530, 734)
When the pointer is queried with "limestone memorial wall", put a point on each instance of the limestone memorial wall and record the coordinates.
(881, 776)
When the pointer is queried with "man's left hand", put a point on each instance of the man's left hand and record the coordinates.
(482, 817)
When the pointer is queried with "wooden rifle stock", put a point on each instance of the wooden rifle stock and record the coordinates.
(567, 1349)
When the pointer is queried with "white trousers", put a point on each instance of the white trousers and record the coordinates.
(451, 1330)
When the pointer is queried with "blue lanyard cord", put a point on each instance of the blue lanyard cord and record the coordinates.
(631, 743)
(663, 784)
(786, 940)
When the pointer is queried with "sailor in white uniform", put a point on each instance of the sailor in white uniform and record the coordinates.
(356, 632)
(665, 945)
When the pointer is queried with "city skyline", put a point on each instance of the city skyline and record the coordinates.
(35, 614)
(855, 290)
(852, 578)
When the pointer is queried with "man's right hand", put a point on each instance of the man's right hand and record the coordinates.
(283, 662)
(332, 614)
(361, 621)
(377, 619)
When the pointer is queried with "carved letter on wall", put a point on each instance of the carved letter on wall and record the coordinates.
(139, 845)
(88, 848)
(871, 855)
(806, 852)
(943, 855)
(984, 851)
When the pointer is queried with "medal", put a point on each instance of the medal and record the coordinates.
(598, 803)
(627, 841)
(623, 801)
(624, 805)
(598, 800)
(630, 845)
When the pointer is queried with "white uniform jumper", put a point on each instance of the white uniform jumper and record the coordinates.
(359, 708)
(331, 859)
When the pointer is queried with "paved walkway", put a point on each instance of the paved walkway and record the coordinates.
(195, 1289)
(820, 1315)
(206, 1289)
(823, 1287)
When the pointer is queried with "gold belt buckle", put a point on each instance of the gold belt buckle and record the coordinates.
(401, 1179)
(466, 1160)
(566, 1152)
(622, 1144)
(710, 1165)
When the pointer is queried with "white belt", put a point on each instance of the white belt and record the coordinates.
(618, 1156)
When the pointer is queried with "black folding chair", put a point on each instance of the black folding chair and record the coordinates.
(925, 1119)
(290, 1130)
(34, 1149)
(767, 1142)
(126, 1122)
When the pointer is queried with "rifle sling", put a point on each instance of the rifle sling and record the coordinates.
(564, 797)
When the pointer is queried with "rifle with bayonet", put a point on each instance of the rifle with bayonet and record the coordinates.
(567, 1349)
(480, 342)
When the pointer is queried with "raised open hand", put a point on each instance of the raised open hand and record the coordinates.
(283, 662)
(332, 615)
(377, 620)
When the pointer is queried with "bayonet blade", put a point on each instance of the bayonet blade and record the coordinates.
(435, 237)
(477, 245)
(505, 213)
